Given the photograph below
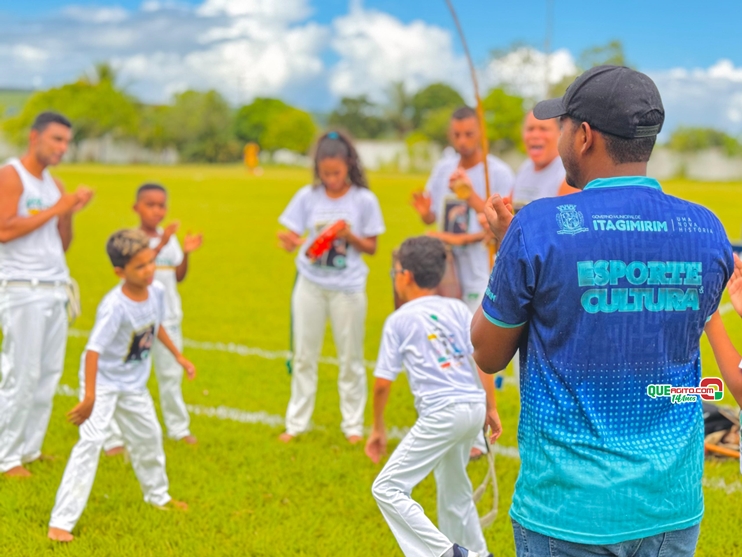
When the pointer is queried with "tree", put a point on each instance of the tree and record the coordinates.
(359, 117)
(434, 97)
(436, 123)
(691, 140)
(503, 116)
(399, 110)
(94, 108)
(252, 120)
(200, 126)
(291, 129)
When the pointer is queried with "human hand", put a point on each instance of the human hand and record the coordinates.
(170, 229)
(499, 214)
(734, 286)
(192, 242)
(189, 368)
(289, 240)
(376, 445)
(344, 232)
(492, 420)
(83, 194)
(66, 203)
(81, 412)
(422, 203)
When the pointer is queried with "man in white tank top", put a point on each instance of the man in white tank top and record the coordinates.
(35, 231)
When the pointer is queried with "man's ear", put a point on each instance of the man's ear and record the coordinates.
(586, 136)
(119, 271)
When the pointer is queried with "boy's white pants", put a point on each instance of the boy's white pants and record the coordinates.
(169, 381)
(311, 305)
(440, 443)
(135, 414)
(34, 325)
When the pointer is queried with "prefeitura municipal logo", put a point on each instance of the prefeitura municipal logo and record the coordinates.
(570, 220)
(711, 388)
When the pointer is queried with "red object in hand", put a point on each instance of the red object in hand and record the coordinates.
(324, 241)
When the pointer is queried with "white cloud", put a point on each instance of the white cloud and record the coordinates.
(527, 71)
(279, 10)
(376, 49)
(114, 14)
(29, 53)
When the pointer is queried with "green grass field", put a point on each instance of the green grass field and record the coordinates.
(248, 494)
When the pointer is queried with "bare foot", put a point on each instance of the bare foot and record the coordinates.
(189, 440)
(59, 535)
(18, 472)
(475, 454)
(173, 505)
(354, 439)
(115, 451)
(285, 437)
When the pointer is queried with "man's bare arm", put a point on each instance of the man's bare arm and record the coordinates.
(494, 346)
(13, 226)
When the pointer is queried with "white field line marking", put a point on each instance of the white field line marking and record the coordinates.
(394, 432)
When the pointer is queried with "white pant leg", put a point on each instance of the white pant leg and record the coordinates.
(77, 481)
(348, 319)
(419, 453)
(52, 365)
(309, 309)
(169, 375)
(457, 515)
(136, 416)
(114, 437)
(24, 315)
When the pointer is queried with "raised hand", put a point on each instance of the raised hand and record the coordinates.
(422, 203)
(734, 286)
(83, 194)
(170, 229)
(192, 242)
(499, 214)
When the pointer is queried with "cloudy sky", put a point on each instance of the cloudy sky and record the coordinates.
(311, 52)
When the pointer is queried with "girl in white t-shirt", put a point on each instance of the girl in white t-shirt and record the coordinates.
(331, 284)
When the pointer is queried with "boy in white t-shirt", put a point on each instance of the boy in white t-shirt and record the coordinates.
(114, 375)
(428, 336)
(171, 268)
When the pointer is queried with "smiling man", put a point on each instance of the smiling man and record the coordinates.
(605, 293)
(35, 231)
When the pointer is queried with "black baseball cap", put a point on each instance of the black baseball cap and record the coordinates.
(612, 99)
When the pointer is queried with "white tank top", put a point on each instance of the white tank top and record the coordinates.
(38, 255)
(532, 184)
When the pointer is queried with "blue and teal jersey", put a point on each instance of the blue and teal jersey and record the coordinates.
(614, 285)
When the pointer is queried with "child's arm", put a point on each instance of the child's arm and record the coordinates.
(376, 444)
(170, 229)
(191, 243)
(164, 338)
(290, 240)
(364, 245)
(726, 356)
(457, 239)
(492, 418)
(82, 411)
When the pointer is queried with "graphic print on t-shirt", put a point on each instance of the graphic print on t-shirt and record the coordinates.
(444, 344)
(141, 344)
(336, 256)
(455, 216)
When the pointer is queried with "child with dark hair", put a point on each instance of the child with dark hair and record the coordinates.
(113, 384)
(171, 267)
(331, 282)
(428, 336)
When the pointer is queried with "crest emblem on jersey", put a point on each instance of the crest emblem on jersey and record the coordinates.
(570, 220)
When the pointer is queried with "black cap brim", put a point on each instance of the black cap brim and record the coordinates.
(548, 109)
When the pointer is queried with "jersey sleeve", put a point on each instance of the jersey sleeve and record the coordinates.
(372, 221)
(511, 287)
(294, 216)
(389, 363)
(107, 323)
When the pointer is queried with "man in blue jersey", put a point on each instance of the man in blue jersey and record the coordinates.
(606, 293)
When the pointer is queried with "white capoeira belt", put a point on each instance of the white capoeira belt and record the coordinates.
(70, 286)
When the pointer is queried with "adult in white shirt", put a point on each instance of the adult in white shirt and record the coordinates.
(542, 173)
(458, 223)
(35, 231)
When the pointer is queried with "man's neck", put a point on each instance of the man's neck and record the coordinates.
(32, 164)
(615, 171)
(149, 230)
(416, 292)
(471, 160)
